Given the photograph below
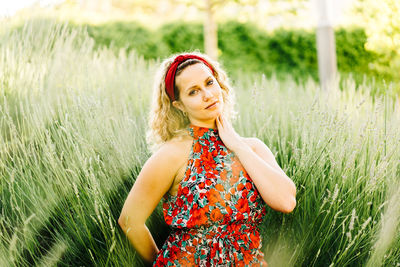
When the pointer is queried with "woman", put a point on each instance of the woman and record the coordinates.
(213, 183)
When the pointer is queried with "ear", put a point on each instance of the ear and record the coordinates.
(177, 104)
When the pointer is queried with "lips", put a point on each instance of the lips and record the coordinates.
(211, 104)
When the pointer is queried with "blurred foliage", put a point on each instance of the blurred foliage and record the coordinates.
(381, 21)
(182, 36)
(244, 47)
(128, 35)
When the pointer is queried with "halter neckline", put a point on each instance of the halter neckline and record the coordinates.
(201, 131)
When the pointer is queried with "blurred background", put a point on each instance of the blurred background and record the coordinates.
(264, 36)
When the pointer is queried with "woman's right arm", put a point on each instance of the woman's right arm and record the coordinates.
(153, 181)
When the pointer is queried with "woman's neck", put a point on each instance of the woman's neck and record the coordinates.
(211, 124)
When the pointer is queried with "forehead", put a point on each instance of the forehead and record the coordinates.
(193, 75)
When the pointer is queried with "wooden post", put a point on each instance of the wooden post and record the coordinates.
(210, 32)
(327, 66)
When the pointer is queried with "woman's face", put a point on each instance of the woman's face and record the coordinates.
(198, 89)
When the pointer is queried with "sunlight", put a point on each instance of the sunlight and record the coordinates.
(9, 8)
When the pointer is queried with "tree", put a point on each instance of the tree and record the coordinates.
(210, 7)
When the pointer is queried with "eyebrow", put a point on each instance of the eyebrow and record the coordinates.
(196, 84)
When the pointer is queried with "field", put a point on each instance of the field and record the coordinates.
(72, 127)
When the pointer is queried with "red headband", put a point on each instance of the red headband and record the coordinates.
(170, 77)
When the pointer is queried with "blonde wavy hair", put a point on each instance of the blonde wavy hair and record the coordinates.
(165, 120)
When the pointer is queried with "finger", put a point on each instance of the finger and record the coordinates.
(223, 118)
(218, 122)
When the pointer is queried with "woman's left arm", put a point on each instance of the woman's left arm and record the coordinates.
(275, 187)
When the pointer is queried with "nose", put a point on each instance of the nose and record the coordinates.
(207, 94)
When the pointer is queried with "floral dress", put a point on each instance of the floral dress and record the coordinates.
(216, 212)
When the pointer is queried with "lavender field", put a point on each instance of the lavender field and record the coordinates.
(72, 141)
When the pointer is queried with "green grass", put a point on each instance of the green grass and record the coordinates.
(72, 127)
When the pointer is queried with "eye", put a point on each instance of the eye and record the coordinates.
(190, 93)
(212, 81)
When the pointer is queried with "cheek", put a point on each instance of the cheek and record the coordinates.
(195, 104)
(220, 89)
(218, 92)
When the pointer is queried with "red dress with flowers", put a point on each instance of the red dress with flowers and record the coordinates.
(216, 212)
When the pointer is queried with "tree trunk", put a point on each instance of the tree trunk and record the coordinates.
(326, 47)
(210, 32)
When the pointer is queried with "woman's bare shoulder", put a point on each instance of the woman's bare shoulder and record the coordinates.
(166, 161)
(177, 148)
